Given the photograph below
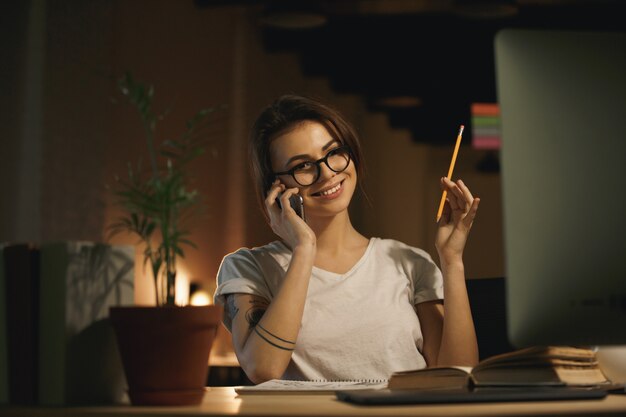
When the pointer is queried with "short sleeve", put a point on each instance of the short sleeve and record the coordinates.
(239, 272)
(427, 279)
(429, 284)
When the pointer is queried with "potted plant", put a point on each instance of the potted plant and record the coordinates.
(164, 348)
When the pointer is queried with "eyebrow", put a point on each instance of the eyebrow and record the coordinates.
(305, 156)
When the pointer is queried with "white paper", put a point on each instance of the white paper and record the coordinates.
(288, 385)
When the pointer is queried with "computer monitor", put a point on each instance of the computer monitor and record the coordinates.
(562, 97)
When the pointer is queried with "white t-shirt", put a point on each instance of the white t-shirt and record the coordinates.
(357, 325)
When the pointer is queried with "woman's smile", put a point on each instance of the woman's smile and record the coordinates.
(330, 193)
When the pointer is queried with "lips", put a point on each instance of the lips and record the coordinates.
(331, 192)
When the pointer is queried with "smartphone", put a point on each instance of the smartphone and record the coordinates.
(297, 204)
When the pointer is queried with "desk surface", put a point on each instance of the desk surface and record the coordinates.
(223, 401)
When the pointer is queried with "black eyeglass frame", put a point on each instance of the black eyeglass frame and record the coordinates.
(318, 163)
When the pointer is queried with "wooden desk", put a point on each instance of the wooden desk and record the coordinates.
(223, 401)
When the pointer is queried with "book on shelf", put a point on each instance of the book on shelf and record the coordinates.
(533, 366)
(319, 386)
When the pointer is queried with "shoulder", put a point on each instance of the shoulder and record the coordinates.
(256, 255)
(267, 261)
(425, 278)
(255, 270)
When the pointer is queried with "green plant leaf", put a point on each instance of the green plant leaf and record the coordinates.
(157, 201)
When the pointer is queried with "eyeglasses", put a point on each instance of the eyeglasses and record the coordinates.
(307, 173)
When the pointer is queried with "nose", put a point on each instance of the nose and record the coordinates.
(325, 172)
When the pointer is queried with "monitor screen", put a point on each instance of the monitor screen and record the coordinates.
(562, 98)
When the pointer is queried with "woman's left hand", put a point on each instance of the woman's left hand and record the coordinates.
(456, 220)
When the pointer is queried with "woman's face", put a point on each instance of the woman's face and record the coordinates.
(308, 142)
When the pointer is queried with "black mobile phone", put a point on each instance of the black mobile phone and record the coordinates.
(297, 204)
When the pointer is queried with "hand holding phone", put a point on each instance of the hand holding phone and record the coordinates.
(293, 232)
(297, 204)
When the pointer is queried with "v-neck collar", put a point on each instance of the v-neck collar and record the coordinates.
(322, 272)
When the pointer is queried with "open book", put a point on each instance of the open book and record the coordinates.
(534, 366)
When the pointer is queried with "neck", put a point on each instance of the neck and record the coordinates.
(334, 233)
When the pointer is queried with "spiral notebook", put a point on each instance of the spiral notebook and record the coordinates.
(320, 386)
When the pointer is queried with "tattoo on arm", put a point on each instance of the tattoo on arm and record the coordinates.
(272, 334)
(231, 307)
(254, 316)
(270, 342)
(255, 313)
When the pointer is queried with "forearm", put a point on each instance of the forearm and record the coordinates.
(458, 339)
(270, 342)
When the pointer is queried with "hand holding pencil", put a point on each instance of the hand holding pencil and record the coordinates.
(450, 170)
(456, 213)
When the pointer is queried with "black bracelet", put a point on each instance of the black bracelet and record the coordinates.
(273, 335)
(271, 343)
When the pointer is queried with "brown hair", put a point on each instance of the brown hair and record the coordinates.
(283, 114)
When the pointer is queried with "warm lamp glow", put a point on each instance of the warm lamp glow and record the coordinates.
(182, 285)
(200, 298)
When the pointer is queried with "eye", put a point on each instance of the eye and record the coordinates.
(303, 166)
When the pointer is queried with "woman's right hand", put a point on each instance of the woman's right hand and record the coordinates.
(284, 221)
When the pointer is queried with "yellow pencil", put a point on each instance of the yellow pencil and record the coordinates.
(445, 194)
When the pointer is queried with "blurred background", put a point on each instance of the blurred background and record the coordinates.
(407, 73)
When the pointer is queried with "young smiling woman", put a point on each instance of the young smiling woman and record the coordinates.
(324, 301)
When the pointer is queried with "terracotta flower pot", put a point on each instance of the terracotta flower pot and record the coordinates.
(165, 351)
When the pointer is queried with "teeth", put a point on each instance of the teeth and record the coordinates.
(332, 190)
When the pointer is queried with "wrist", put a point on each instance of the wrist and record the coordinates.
(305, 249)
(447, 256)
(452, 264)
